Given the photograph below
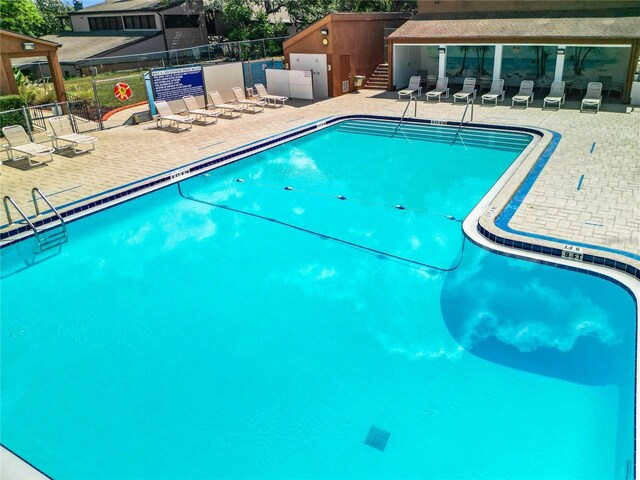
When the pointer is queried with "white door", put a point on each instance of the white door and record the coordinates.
(316, 63)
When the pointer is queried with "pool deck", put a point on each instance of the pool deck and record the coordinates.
(588, 193)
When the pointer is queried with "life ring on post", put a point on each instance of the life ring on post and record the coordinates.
(122, 91)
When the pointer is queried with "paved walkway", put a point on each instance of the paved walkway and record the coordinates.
(588, 192)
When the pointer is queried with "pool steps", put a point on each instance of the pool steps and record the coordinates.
(470, 136)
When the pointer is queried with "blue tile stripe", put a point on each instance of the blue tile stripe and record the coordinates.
(556, 252)
(502, 221)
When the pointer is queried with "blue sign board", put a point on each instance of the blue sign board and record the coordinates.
(175, 83)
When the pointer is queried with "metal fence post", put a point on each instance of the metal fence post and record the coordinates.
(264, 50)
(72, 120)
(27, 122)
(95, 96)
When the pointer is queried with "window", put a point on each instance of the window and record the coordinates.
(181, 21)
(140, 22)
(105, 23)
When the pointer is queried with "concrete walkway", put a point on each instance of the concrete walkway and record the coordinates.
(588, 192)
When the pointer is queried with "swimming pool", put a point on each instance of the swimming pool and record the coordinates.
(315, 311)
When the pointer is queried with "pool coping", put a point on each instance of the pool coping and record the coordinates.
(487, 225)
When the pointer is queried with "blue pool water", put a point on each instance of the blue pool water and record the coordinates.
(171, 338)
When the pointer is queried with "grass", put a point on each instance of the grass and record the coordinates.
(105, 82)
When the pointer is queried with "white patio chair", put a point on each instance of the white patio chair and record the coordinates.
(253, 103)
(468, 90)
(165, 114)
(413, 87)
(593, 98)
(18, 141)
(442, 88)
(271, 99)
(525, 95)
(228, 108)
(63, 131)
(556, 95)
(200, 113)
(496, 91)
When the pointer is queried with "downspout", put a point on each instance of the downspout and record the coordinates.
(164, 35)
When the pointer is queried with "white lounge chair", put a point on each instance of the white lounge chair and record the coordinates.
(496, 91)
(413, 87)
(18, 141)
(525, 95)
(200, 113)
(593, 98)
(442, 88)
(556, 95)
(253, 103)
(271, 99)
(165, 114)
(228, 108)
(468, 90)
(63, 131)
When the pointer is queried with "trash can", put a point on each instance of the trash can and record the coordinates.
(358, 81)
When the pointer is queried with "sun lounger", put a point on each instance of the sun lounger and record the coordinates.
(165, 114)
(593, 98)
(63, 131)
(556, 95)
(253, 103)
(263, 94)
(413, 87)
(442, 88)
(200, 113)
(228, 108)
(496, 91)
(468, 90)
(525, 95)
(18, 141)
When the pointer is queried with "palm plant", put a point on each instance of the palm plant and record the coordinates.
(579, 56)
(464, 49)
(481, 52)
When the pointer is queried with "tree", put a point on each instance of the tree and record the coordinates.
(20, 16)
(51, 11)
(304, 12)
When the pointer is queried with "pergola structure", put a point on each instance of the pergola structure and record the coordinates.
(16, 45)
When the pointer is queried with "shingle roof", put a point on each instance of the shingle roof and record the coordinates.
(128, 5)
(79, 45)
(602, 24)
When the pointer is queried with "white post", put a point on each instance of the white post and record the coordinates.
(497, 63)
(442, 61)
(560, 63)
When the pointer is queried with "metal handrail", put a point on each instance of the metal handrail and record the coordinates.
(35, 190)
(464, 114)
(415, 113)
(8, 199)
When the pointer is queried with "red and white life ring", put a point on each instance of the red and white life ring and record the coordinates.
(122, 91)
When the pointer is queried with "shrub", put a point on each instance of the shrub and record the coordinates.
(12, 102)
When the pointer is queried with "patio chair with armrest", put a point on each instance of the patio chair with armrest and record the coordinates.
(412, 88)
(442, 88)
(496, 91)
(63, 131)
(271, 99)
(525, 95)
(18, 141)
(468, 90)
(228, 108)
(256, 104)
(203, 114)
(556, 95)
(165, 114)
(593, 97)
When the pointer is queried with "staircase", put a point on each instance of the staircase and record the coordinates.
(378, 79)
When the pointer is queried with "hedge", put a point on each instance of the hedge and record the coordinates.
(12, 102)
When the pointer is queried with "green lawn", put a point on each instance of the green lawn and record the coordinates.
(105, 82)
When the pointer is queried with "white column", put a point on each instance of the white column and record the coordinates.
(442, 61)
(396, 61)
(497, 63)
(560, 64)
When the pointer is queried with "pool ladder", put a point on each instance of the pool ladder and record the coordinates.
(464, 114)
(54, 236)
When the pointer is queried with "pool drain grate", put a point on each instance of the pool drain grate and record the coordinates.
(377, 438)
